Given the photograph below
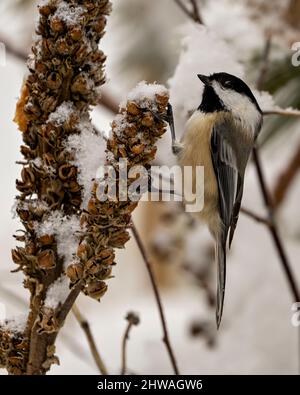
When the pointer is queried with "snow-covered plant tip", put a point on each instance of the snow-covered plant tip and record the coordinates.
(66, 69)
(134, 134)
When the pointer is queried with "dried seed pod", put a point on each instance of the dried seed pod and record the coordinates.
(54, 81)
(75, 272)
(84, 251)
(56, 24)
(137, 149)
(46, 240)
(132, 108)
(48, 322)
(46, 260)
(147, 119)
(66, 172)
(96, 289)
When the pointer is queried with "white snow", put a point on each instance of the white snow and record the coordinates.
(15, 324)
(89, 150)
(144, 94)
(203, 53)
(58, 292)
(120, 124)
(264, 99)
(240, 31)
(71, 14)
(62, 113)
(66, 231)
(26, 204)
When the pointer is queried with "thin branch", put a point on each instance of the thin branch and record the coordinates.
(267, 196)
(132, 320)
(282, 112)
(194, 14)
(286, 178)
(166, 339)
(273, 228)
(109, 102)
(255, 216)
(265, 63)
(90, 338)
(183, 8)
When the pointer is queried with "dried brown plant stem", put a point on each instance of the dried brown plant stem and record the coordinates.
(132, 320)
(66, 70)
(40, 342)
(166, 338)
(90, 338)
(107, 101)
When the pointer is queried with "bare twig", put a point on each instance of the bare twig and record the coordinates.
(133, 320)
(282, 112)
(166, 339)
(255, 216)
(273, 228)
(286, 178)
(90, 338)
(183, 8)
(267, 196)
(194, 14)
(265, 63)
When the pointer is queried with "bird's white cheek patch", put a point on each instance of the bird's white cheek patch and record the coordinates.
(241, 107)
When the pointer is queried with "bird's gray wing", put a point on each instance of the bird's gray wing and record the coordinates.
(243, 153)
(224, 153)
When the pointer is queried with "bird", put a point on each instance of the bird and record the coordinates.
(220, 136)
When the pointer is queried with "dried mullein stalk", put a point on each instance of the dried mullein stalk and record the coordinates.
(66, 71)
(134, 134)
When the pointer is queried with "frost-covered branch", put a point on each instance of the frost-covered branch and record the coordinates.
(135, 131)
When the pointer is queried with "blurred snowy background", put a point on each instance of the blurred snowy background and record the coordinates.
(155, 41)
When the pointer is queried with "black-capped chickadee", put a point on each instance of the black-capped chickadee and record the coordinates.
(220, 136)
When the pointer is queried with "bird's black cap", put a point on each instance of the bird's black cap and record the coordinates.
(228, 81)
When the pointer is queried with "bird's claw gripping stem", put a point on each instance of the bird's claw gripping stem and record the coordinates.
(169, 118)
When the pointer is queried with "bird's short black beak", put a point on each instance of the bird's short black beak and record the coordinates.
(204, 79)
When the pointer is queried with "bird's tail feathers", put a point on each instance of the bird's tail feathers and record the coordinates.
(221, 264)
